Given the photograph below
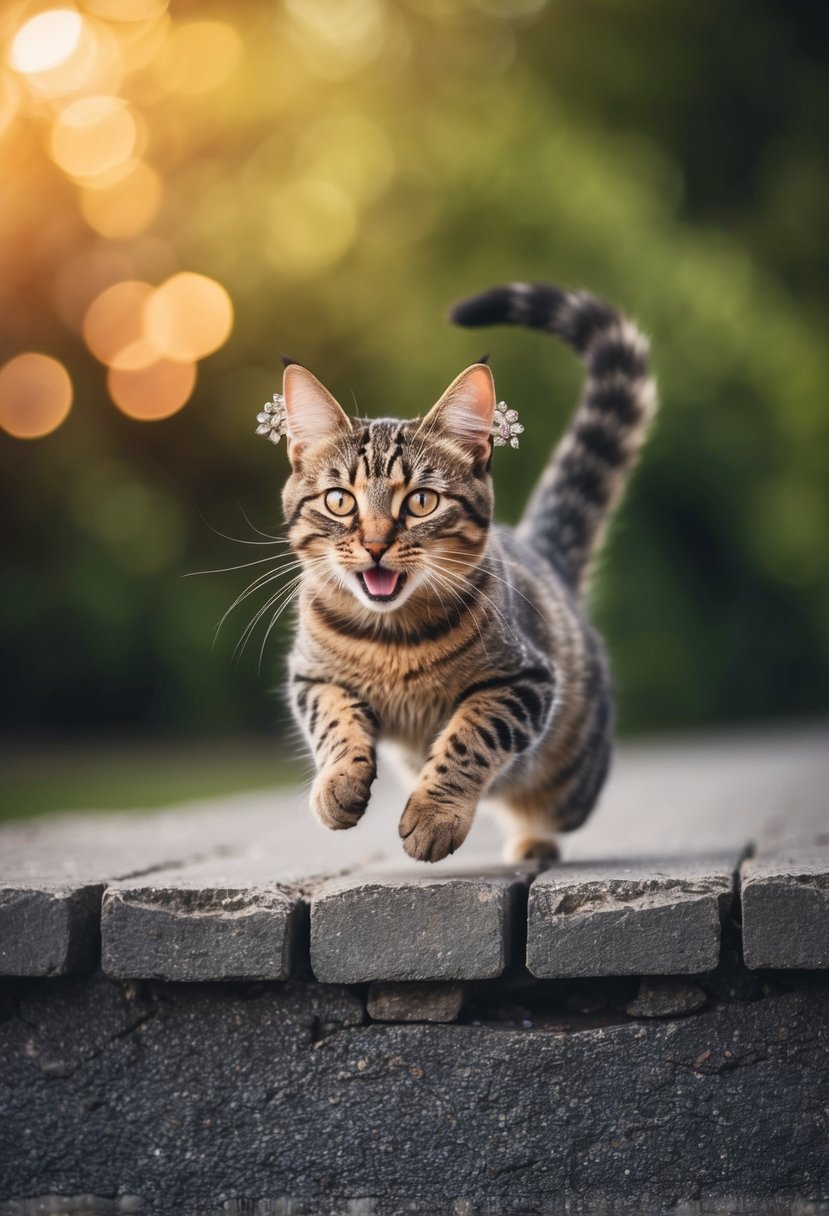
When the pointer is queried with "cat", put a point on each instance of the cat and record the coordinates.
(422, 622)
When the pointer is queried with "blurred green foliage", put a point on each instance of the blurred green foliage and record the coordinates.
(367, 164)
(74, 776)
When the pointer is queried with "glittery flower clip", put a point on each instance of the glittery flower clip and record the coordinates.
(505, 426)
(273, 421)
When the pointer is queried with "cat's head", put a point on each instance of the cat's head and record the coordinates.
(383, 509)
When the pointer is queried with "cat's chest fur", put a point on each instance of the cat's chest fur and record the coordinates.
(411, 689)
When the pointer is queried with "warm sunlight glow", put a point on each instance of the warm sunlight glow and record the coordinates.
(95, 66)
(198, 56)
(127, 10)
(113, 327)
(189, 317)
(9, 101)
(46, 41)
(152, 392)
(35, 395)
(337, 37)
(93, 135)
(141, 42)
(83, 277)
(350, 151)
(125, 208)
(312, 224)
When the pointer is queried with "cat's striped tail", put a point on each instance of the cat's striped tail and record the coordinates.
(571, 504)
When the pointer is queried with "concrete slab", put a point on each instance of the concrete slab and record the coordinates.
(685, 798)
(652, 918)
(199, 1101)
(53, 872)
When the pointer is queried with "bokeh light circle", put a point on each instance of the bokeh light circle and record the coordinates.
(46, 41)
(150, 393)
(199, 56)
(35, 395)
(94, 67)
(93, 135)
(114, 322)
(189, 316)
(126, 207)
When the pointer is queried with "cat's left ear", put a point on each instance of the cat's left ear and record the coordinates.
(466, 409)
(312, 414)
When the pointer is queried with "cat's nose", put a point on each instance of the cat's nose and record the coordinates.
(376, 548)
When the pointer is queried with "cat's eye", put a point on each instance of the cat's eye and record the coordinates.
(421, 502)
(340, 502)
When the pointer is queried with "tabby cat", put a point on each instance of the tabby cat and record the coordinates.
(422, 622)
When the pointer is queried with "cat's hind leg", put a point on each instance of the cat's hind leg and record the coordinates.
(530, 833)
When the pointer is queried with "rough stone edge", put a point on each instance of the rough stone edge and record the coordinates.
(122, 899)
(512, 891)
(71, 942)
(772, 941)
(721, 901)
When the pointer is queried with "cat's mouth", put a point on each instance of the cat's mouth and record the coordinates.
(382, 585)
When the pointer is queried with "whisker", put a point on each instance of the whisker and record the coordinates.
(288, 591)
(254, 528)
(457, 597)
(238, 540)
(480, 565)
(261, 581)
(278, 614)
(462, 581)
(259, 561)
(273, 622)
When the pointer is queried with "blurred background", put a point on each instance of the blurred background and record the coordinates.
(190, 189)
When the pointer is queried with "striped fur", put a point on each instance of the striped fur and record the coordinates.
(485, 671)
(567, 513)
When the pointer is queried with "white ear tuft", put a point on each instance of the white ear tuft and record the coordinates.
(312, 413)
(465, 410)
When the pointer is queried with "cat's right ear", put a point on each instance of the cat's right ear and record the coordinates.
(311, 412)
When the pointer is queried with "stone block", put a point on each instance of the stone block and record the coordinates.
(415, 1002)
(48, 928)
(785, 905)
(161, 929)
(652, 918)
(408, 927)
(666, 997)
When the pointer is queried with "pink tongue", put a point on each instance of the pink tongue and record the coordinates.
(381, 582)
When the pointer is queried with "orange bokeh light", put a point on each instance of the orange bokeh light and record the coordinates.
(199, 56)
(152, 392)
(35, 395)
(127, 10)
(92, 136)
(131, 326)
(46, 41)
(113, 326)
(126, 207)
(60, 52)
(189, 317)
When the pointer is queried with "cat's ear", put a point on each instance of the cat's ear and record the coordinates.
(311, 412)
(465, 410)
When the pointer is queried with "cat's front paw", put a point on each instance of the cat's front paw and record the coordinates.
(340, 794)
(431, 831)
